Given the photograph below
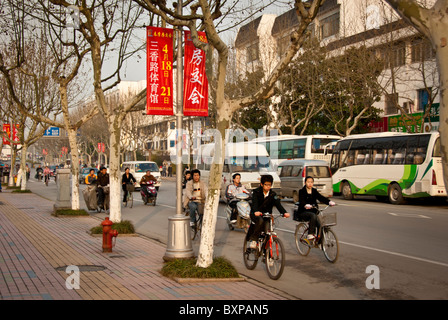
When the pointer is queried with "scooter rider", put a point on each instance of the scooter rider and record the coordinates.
(145, 180)
(231, 191)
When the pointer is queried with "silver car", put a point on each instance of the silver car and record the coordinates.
(293, 173)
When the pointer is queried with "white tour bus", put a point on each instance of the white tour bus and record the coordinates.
(249, 160)
(388, 165)
(294, 147)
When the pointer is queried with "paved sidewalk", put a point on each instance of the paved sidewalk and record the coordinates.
(33, 244)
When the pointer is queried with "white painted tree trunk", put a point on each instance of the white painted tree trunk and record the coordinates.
(74, 168)
(114, 172)
(21, 181)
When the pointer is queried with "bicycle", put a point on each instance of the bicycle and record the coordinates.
(326, 238)
(270, 247)
(129, 195)
(47, 178)
(197, 227)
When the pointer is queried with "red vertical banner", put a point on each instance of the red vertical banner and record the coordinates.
(195, 79)
(15, 133)
(7, 130)
(159, 72)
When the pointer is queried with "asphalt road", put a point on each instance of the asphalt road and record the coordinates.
(406, 246)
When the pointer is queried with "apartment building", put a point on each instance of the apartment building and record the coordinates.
(409, 79)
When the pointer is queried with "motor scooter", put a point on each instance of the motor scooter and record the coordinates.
(152, 192)
(243, 209)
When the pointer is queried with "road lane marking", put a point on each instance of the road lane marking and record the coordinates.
(409, 215)
(383, 251)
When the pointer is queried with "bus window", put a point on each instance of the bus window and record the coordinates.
(299, 148)
(436, 151)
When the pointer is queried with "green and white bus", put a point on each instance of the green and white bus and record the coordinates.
(388, 165)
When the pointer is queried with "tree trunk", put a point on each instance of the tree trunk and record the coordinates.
(114, 171)
(74, 168)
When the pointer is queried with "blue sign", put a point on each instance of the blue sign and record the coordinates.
(52, 132)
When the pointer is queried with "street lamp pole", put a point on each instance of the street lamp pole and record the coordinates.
(179, 240)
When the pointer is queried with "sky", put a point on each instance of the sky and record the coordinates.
(135, 68)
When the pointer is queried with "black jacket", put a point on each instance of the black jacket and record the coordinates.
(306, 198)
(262, 204)
(126, 180)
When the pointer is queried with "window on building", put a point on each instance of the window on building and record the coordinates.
(423, 96)
(329, 26)
(172, 143)
(421, 50)
(252, 53)
(397, 55)
(391, 101)
(172, 125)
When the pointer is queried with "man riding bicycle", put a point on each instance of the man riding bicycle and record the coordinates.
(196, 193)
(263, 200)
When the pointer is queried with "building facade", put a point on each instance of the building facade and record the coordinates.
(409, 79)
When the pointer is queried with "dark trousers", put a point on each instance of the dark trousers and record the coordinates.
(101, 196)
(258, 225)
(311, 217)
(232, 205)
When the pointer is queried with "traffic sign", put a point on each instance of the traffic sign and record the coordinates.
(52, 132)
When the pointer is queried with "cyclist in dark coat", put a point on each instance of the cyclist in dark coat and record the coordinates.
(308, 197)
(263, 201)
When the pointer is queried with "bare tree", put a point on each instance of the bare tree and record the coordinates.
(433, 23)
(203, 15)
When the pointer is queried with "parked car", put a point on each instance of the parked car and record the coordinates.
(84, 173)
(293, 173)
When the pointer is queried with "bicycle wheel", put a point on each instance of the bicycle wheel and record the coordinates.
(330, 245)
(130, 199)
(274, 258)
(300, 239)
(197, 227)
(250, 256)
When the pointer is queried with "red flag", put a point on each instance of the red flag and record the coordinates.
(195, 79)
(159, 72)
(7, 130)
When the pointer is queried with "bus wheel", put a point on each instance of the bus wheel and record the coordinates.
(395, 194)
(347, 191)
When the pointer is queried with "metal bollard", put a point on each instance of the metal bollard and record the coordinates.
(179, 238)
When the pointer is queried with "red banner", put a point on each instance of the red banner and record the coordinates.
(159, 72)
(195, 79)
(7, 129)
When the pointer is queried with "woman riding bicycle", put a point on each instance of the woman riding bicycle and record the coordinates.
(46, 174)
(308, 197)
(126, 179)
(263, 200)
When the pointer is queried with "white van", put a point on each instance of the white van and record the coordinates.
(139, 168)
(293, 173)
(248, 159)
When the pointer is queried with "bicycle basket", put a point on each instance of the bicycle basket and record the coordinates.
(130, 187)
(327, 219)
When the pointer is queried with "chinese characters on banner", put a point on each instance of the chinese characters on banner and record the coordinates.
(195, 79)
(7, 130)
(159, 73)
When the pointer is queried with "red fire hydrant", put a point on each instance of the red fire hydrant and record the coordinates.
(108, 234)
